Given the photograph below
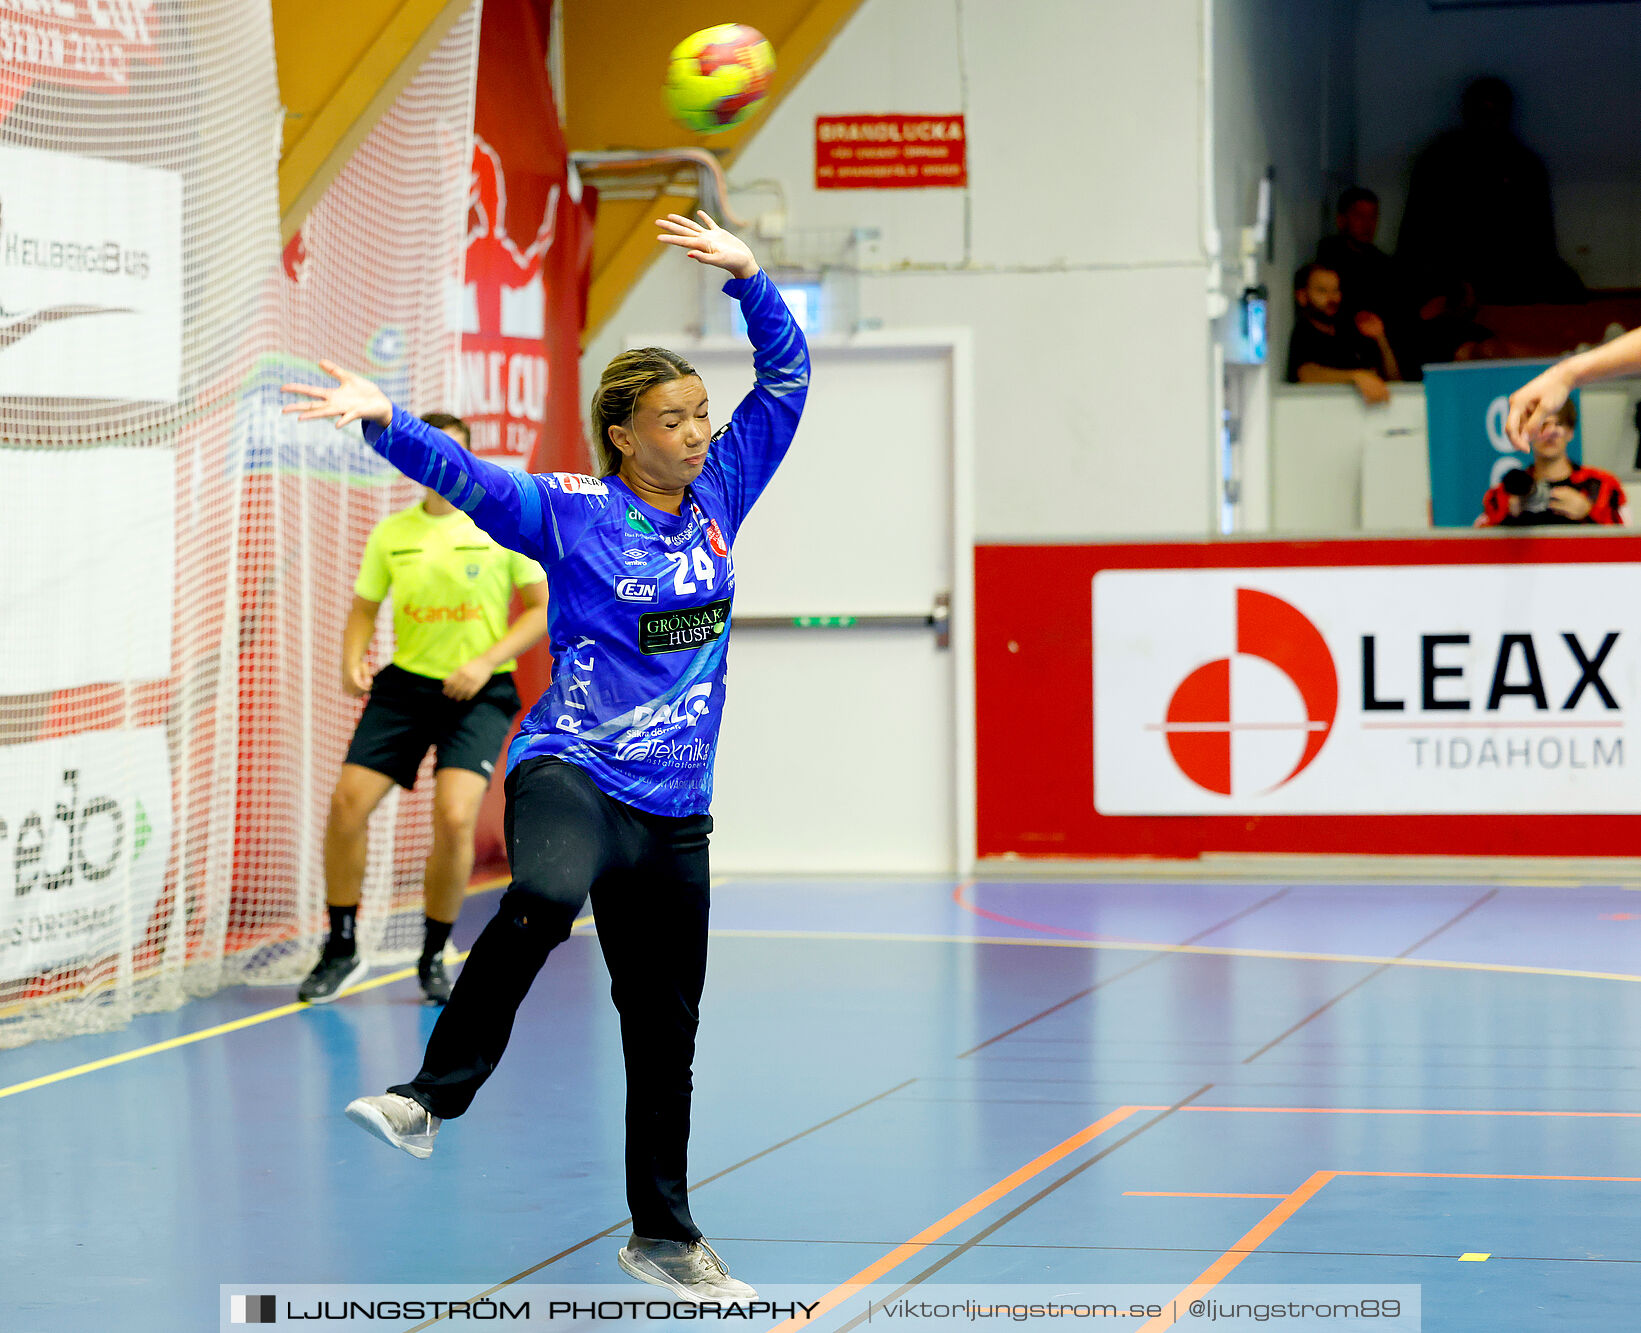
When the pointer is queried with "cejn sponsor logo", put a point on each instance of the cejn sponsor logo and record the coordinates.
(682, 630)
(637, 590)
(1201, 719)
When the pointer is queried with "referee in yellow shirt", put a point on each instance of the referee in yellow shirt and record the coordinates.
(449, 687)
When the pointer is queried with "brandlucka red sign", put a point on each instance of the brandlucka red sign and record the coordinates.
(889, 152)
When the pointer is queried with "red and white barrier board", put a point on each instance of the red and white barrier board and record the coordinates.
(1475, 697)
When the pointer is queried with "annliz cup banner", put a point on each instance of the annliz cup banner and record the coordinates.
(529, 255)
(1466, 405)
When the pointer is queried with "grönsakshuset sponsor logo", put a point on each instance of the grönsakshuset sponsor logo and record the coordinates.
(682, 630)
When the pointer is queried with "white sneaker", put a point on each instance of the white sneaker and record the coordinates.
(398, 1120)
(688, 1268)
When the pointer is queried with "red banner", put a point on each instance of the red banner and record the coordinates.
(1038, 686)
(529, 258)
(890, 152)
(75, 43)
(528, 255)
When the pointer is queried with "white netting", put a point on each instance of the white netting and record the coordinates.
(377, 288)
(178, 559)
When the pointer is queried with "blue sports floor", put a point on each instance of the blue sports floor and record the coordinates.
(911, 1082)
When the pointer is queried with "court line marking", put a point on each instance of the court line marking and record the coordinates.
(1267, 1226)
(996, 1224)
(974, 909)
(935, 1230)
(1395, 1110)
(220, 1030)
(1227, 1261)
(1377, 972)
(620, 1226)
(11, 1010)
(1260, 1232)
(1105, 981)
(264, 1016)
(1213, 951)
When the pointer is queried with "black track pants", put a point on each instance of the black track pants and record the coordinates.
(649, 882)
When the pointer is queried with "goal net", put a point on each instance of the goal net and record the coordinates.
(179, 557)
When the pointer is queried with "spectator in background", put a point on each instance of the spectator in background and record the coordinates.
(1367, 275)
(1328, 348)
(1552, 490)
(1445, 328)
(1479, 214)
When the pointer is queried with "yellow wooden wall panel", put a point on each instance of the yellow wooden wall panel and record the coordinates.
(615, 61)
(340, 67)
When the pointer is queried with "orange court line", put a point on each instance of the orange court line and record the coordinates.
(1256, 1236)
(1192, 1194)
(1266, 1227)
(1485, 1175)
(897, 1256)
(1380, 1110)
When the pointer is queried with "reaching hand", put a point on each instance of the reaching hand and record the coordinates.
(1535, 403)
(708, 244)
(354, 398)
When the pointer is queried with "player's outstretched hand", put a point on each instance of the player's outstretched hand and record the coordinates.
(708, 243)
(353, 398)
(1535, 403)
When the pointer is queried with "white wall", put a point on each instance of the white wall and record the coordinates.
(1284, 97)
(1578, 105)
(1075, 255)
(1339, 467)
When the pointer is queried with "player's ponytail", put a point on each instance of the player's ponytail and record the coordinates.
(628, 377)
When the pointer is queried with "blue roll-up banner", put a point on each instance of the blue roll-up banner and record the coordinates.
(1465, 405)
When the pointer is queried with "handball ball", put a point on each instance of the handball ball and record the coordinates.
(718, 77)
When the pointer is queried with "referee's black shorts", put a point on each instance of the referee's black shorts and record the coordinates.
(409, 714)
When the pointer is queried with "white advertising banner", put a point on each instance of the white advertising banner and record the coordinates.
(1438, 689)
(85, 834)
(96, 531)
(90, 278)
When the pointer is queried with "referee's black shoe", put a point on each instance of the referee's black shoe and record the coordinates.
(435, 983)
(332, 975)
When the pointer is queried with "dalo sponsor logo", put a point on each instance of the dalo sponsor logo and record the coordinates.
(643, 739)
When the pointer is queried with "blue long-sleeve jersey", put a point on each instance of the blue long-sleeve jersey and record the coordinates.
(639, 599)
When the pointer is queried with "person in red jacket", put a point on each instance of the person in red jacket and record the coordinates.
(1553, 490)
